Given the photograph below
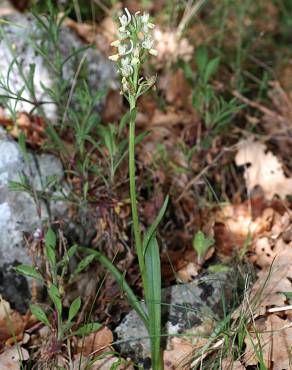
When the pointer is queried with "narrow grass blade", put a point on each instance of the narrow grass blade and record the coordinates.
(153, 299)
(133, 300)
(150, 232)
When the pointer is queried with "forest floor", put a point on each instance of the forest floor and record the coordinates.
(214, 135)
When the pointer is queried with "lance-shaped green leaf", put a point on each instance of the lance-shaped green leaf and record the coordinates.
(56, 298)
(39, 314)
(74, 308)
(30, 271)
(87, 329)
(153, 299)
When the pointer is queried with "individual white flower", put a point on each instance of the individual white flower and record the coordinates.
(123, 49)
(125, 20)
(123, 34)
(145, 18)
(135, 61)
(145, 23)
(125, 84)
(148, 42)
(126, 68)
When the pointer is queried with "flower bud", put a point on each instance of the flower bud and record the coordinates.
(153, 52)
(116, 43)
(114, 58)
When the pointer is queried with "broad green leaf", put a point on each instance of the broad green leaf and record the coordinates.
(74, 308)
(201, 59)
(201, 244)
(132, 298)
(66, 326)
(188, 72)
(72, 250)
(153, 299)
(150, 232)
(87, 329)
(30, 271)
(211, 68)
(50, 238)
(51, 255)
(39, 314)
(56, 298)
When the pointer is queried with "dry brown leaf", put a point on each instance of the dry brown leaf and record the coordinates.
(170, 47)
(270, 286)
(230, 364)
(11, 357)
(188, 272)
(235, 223)
(178, 357)
(264, 170)
(176, 89)
(96, 343)
(11, 322)
(273, 281)
(275, 336)
(101, 34)
(6, 8)
(84, 30)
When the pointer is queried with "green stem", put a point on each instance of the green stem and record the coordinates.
(133, 195)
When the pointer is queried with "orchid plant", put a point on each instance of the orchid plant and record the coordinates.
(134, 45)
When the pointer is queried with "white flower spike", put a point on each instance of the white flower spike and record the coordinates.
(133, 44)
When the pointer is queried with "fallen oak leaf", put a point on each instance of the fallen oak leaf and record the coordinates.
(231, 364)
(272, 339)
(11, 357)
(264, 169)
(97, 342)
(12, 323)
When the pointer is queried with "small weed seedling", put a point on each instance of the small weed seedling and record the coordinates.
(60, 327)
(216, 112)
(201, 244)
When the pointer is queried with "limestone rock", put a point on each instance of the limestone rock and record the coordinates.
(19, 213)
(185, 307)
(21, 39)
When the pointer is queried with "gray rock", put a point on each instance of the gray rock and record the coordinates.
(20, 42)
(19, 213)
(185, 307)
